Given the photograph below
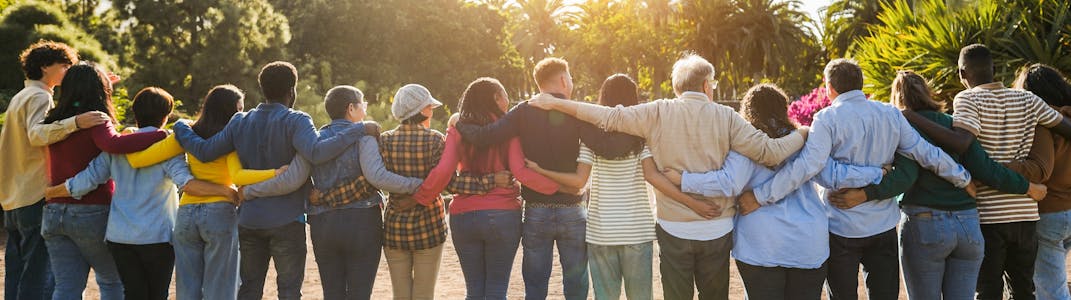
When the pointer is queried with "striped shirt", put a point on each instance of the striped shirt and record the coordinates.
(619, 209)
(1003, 121)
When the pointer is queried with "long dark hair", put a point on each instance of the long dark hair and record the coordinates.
(221, 103)
(765, 106)
(1046, 82)
(84, 88)
(479, 107)
(616, 90)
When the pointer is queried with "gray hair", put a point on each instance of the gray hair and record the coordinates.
(690, 72)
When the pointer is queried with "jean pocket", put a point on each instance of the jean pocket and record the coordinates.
(927, 231)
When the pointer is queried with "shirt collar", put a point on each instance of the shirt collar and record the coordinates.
(147, 129)
(271, 106)
(991, 86)
(38, 84)
(340, 122)
(850, 96)
(410, 127)
(695, 96)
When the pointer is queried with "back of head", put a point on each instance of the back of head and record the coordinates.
(976, 61)
(85, 88)
(478, 102)
(277, 81)
(910, 91)
(1045, 82)
(765, 106)
(43, 54)
(220, 104)
(616, 90)
(548, 70)
(844, 75)
(151, 106)
(478, 106)
(338, 100)
(690, 73)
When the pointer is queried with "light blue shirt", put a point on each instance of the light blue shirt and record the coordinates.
(797, 224)
(857, 131)
(145, 200)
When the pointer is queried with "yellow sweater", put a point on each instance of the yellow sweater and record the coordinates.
(224, 171)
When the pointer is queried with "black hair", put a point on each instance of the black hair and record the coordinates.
(338, 99)
(220, 105)
(277, 81)
(1045, 82)
(479, 107)
(618, 89)
(977, 61)
(85, 88)
(151, 106)
(415, 119)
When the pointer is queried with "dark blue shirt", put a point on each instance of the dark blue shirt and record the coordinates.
(268, 137)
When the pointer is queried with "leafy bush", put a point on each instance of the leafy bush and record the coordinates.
(27, 22)
(927, 38)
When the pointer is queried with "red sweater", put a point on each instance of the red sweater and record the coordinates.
(498, 198)
(72, 155)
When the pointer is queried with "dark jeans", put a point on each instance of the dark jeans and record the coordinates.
(28, 272)
(779, 283)
(543, 229)
(486, 242)
(347, 244)
(144, 269)
(285, 245)
(702, 263)
(1010, 250)
(881, 266)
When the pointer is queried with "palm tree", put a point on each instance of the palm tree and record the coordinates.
(845, 21)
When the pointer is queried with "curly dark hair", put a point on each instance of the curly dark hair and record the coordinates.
(1045, 82)
(765, 106)
(43, 54)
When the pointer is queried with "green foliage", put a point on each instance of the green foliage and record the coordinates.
(927, 38)
(754, 41)
(845, 21)
(27, 22)
(186, 47)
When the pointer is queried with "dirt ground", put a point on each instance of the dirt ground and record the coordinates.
(451, 283)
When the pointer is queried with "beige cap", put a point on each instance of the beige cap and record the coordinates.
(410, 100)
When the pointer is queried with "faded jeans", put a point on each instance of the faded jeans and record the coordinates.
(206, 251)
(74, 234)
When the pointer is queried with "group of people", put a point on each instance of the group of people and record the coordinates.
(985, 205)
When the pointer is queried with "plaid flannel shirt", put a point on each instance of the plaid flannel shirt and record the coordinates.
(412, 150)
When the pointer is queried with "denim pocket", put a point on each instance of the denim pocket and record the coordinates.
(926, 230)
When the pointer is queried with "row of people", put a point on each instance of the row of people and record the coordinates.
(802, 217)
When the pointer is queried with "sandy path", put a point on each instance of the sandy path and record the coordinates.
(451, 283)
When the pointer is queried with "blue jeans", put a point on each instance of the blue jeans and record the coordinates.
(74, 234)
(611, 264)
(283, 245)
(542, 228)
(29, 275)
(941, 252)
(347, 244)
(486, 242)
(206, 251)
(1050, 269)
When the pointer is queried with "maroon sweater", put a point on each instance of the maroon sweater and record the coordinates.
(72, 155)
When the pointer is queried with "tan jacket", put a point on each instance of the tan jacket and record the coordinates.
(22, 145)
(692, 133)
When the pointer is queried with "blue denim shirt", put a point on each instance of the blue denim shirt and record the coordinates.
(351, 164)
(145, 200)
(268, 137)
(797, 224)
(857, 131)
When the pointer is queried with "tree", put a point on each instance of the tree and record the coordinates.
(845, 21)
(927, 38)
(186, 47)
(28, 22)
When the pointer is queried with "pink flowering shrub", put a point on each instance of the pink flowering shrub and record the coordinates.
(802, 111)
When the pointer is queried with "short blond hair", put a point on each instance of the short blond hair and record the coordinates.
(548, 69)
(690, 72)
